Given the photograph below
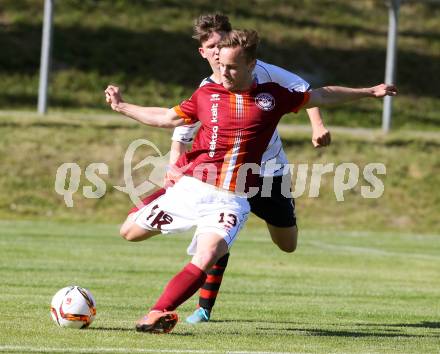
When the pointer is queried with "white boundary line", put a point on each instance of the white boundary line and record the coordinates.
(30, 349)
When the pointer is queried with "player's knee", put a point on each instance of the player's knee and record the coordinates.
(126, 229)
(209, 258)
(289, 247)
(127, 233)
(206, 259)
(289, 242)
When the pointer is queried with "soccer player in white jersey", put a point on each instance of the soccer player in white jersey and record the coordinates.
(277, 210)
(209, 194)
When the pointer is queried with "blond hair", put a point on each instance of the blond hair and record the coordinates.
(246, 39)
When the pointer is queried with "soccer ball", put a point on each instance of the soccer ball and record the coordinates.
(73, 307)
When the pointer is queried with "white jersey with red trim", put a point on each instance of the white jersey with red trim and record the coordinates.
(274, 153)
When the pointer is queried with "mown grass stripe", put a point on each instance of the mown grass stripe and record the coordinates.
(119, 350)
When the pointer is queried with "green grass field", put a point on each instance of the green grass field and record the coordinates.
(366, 275)
(345, 292)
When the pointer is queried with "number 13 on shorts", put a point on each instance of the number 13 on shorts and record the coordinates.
(228, 220)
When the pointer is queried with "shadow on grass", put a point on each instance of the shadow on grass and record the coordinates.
(256, 321)
(125, 329)
(423, 324)
(353, 334)
(382, 332)
(114, 329)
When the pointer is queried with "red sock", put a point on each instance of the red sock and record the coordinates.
(209, 290)
(181, 288)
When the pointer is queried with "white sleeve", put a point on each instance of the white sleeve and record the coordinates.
(185, 133)
(264, 72)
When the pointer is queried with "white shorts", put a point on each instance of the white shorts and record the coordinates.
(191, 202)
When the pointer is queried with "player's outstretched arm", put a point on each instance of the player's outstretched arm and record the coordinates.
(152, 116)
(320, 135)
(330, 95)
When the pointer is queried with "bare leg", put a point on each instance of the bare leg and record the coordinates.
(285, 238)
(133, 232)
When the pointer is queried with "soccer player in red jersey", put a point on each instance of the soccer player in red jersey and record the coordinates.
(276, 209)
(238, 118)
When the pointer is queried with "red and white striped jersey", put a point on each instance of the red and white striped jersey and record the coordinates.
(262, 73)
(235, 130)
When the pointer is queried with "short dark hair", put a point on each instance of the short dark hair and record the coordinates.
(246, 39)
(206, 24)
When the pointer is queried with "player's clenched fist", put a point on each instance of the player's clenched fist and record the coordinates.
(384, 90)
(321, 137)
(113, 96)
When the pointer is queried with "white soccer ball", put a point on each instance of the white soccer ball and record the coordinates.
(73, 307)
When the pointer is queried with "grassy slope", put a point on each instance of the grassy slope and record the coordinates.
(341, 292)
(145, 47)
(31, 150)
